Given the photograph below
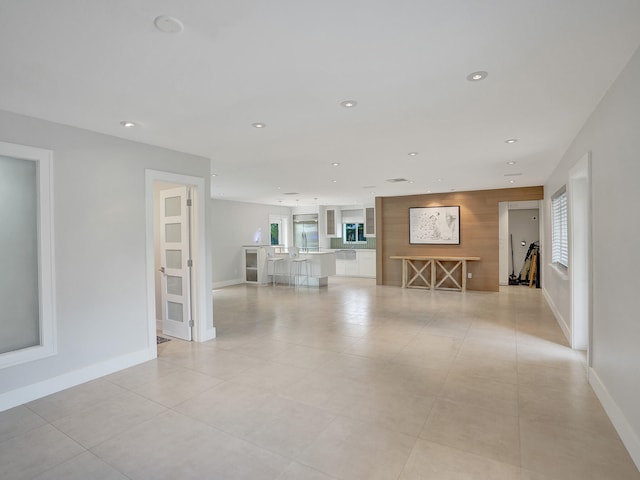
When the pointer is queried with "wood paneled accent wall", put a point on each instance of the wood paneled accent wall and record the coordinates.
(478, 232)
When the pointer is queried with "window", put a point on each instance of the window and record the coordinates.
(278, 229)
(27, 323)
(353, 233)
(559, 229)
(275, 234)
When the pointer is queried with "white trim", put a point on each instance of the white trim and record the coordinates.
(227, 283)
(210, 333)
(628, 436)
(20, 396)
(46, 263)
(564, 326)
(579, 194)
(202, 331)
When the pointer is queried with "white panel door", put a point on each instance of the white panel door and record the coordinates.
(175, 262)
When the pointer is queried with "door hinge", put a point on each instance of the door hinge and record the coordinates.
(191, 323)
(188, 202)
(189, 263)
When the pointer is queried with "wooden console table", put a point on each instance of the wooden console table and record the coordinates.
(415, 267)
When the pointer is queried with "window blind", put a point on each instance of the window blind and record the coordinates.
(560, 234)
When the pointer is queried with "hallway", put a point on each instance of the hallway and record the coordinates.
(353, 381)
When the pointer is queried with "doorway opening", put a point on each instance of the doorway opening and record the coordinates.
(173, 251)
(519, 229)
(178, 300)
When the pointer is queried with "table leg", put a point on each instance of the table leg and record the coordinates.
(464, 275)
(433, 274)
(404, 273)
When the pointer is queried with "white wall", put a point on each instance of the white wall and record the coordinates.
(611, 135)
(234, 225)
(100, 257)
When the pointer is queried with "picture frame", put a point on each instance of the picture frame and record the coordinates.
(434, 225)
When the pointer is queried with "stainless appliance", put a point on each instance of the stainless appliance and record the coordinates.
(305, 232)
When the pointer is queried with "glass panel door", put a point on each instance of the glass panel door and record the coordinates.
(174, 243)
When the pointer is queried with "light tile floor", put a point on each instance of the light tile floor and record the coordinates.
(347, 382)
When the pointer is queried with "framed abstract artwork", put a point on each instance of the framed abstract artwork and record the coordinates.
(434, 225)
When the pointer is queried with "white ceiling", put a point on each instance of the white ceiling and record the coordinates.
(289, 64)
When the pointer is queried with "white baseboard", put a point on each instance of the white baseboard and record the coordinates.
(564, 326)
(46, 387)
(227, 283)
(209, 334)
(628, 436)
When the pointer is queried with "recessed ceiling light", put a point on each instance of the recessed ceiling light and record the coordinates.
(127, 124)
(428, 191)
(278, 188)
(440, 179)
(511, 140)
(410, 181)
(168, 24)
(512, 181)
(258, 125)
(349, 103)
(373, 193)
(412, 154)
(511, 162)
(335, 164)
(214, 174)
(477, 76)
(334, 181)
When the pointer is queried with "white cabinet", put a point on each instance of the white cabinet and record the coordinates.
(366, 264)
(351, 268)
(369, 222)
(333, 222)
(253, 263)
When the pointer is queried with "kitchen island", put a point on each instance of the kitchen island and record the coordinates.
(322, 265)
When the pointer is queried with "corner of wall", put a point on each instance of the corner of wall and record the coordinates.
(31, 392)
(227, 283)
(628, 436)
(564, 326)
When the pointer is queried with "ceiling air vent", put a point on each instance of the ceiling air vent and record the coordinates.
(512, 174)
(291, 193)
(397, 180)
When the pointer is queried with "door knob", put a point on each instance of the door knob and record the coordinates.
(161, 269)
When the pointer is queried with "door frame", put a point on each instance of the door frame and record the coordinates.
(580, 264)
(504, 230)
(203, 328)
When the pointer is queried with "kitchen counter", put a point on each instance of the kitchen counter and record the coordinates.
(322, 265)
(356, 262)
